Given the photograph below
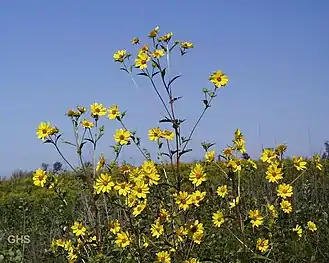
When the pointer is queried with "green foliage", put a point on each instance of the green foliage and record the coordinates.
(30, 210)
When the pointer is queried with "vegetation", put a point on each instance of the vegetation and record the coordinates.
(230, 210)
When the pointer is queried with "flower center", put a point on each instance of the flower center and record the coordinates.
(198, 175)
(105, 182)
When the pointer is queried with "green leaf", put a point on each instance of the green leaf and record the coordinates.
(176, 98)
(99, 137)
(124, 69)
(185, 151)
(206, 103)
(155, 73)
(47, 141)
(173, 79)
(166, 154)
(176, 43)
(207, 145)
(165, 120)
(69, 143)
(142, 74)
(163, 73)
(57, 138)
(173, 152)
(156, 63)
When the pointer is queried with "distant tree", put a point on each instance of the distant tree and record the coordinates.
(44, 166)
(325, 155)
(57, 166)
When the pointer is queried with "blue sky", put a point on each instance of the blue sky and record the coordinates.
(55, 55)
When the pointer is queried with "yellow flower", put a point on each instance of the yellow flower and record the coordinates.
(268, 156)
(274, 173)
(100, 163)
(298, 229)
(141, 189)
(154, 32)
(158, 53)
(124, 188)
(53, 130)
(104, 183)
(285, 190)
(141, 60)
(72, 113)
(139, 208)
(197, 237)
(122, 136)
(299, 163)
(168, 135)
(71, 257)
(238, 136)
(197, 197)
(113, 112)
(137, 174)
(240, 146)
(234, 202)
(164, 215)
(316, 159)
(195, 229)
(44, 130)
(60, 243)
(122, 239)
(222, 191)
(78, 229)
(40, 177)
(262, 245)
(252, 163)
(280, 149)
(256, 218)
(183, 200)
(145, 242)
(181, 232)
(311, 226)
(163, 256)
(218, 78)
(144, 49)
(154, 134)
(286, 206)
(236, 165)
(227, 152)
(197, 175)
(135, 41)
(218, 218)
(81, 109)
(114, 226)
(186, 45)
(149, 167)
(192, 260)
(272, 210)
(68, 246)
(210, 156)
(87, 124)
(97, 110)
(166, 37)
(157, 229)
(120, 55)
